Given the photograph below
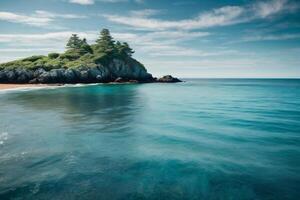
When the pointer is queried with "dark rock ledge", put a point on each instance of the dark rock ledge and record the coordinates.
(80, 75)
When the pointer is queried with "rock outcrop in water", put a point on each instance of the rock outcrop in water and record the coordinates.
(105, 61)
(168, 79)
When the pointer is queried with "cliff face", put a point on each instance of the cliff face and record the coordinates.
(116, 68)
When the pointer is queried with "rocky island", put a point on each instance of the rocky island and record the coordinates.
(103, 62)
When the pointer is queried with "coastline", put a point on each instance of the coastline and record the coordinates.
(20, 86)
(9, 86)
(14, 86)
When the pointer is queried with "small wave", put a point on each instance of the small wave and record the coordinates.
(82, 84)
(3, 137)
(36, 188)
(29, 88)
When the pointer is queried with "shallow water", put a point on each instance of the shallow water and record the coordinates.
(202, 139)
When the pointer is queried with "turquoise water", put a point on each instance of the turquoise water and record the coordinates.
(202, 139)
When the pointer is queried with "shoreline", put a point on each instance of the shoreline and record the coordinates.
(10, 86)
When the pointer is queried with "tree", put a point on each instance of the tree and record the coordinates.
(123, 49)
(74, 42)
(126, 49)
(118, 47)
(85, 47)
(105, 42)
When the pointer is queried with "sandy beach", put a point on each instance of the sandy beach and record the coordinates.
(15, 86)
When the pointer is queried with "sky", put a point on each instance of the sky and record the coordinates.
(185, 38)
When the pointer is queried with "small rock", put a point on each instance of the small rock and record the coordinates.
(33, 81)
(168, 79)
(120, 80)
(133, 81)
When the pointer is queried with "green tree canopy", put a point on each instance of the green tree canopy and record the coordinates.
(127, 50)
(85, 47)
(123, 49)
(105, 42)
(74, 42)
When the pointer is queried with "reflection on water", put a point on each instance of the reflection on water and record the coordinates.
(204, 139)
(104, 106)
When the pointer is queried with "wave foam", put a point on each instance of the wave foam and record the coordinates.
(3, 137)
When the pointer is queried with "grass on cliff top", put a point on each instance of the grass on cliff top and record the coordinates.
(69, 59)
(79, 54)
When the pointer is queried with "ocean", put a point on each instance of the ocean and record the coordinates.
(202, 139)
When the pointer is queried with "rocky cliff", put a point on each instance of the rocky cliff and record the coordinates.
(117, 68)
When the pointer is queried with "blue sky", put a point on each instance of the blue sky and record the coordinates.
(186, 38)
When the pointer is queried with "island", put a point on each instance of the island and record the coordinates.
(105, 61)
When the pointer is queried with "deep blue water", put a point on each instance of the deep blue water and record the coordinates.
(202, 139)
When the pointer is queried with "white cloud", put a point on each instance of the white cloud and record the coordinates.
(46, 40)
(270, 37)
(161, 43)
(91, 2)
(223, 16)
(83, 2)
(40, 18)
(161, 37)
(145, 12)
(265, 9)
(46, 14)
(217, 17)
(24, 19)
(24, 50)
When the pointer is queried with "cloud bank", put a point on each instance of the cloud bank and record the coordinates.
(40, 18)
(227, 15)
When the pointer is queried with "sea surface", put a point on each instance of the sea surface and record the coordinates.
(202, 139)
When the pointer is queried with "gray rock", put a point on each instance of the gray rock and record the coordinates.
(23, 75)
(94, 73)
(129, 69)
(69, 76)
(38, 72)
(168, 79)
(3, 77)
(44, 77)
(11, 76)
(84, 76)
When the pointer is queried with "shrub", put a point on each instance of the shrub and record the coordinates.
(53, 55)
(33, 58)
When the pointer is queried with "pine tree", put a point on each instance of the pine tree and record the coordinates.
(85, 47)
(105, 42)
(123, 49)
(126, 49)
(118, 47)
(74, 42)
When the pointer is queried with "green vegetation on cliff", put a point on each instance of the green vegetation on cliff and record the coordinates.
(78, 54)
